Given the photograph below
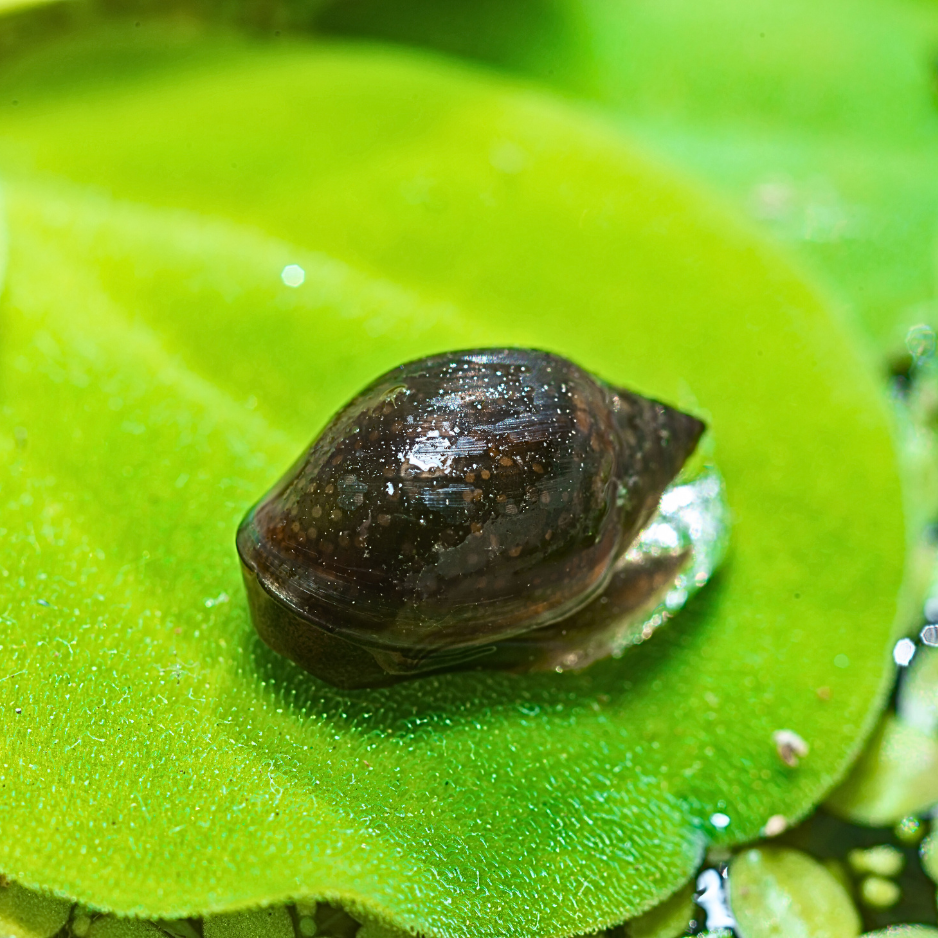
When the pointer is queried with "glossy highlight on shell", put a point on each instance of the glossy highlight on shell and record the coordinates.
(475, 509)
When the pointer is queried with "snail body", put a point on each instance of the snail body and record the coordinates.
(458, 512)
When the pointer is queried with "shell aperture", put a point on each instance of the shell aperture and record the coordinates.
(464, 510)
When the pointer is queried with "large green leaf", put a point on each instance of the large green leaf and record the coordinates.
(157, 375)
(817, 118)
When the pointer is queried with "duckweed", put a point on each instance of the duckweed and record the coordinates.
(777, 892)
(929, 855)
(667, 920)
(879, 893)
(910, 830)
(896, 776)
(28, 914)
(904, 931)
(111, 926)
(274, 922)
(917, 703)
(883, 860)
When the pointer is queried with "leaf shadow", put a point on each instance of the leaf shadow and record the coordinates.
(448, 701)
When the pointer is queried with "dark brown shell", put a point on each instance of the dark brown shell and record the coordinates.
(458, 501)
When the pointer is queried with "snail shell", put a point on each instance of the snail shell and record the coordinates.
(463, 509)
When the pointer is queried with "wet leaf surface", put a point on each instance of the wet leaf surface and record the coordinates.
(158, 375)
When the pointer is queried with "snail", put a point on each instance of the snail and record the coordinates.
(479, 509)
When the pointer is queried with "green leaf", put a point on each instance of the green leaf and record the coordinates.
(776, 892)
(904, 931)
(15, 6)
(159, 375)
(4, 241)
(27, 914)
(259, 923)
(929, 854)
(883, 860)
(109, 926)
(668, 920)
(917, 703)
(817, 119)
(896, 776)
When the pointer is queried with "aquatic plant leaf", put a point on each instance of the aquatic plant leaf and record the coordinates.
(896, 776)
(879, 893)
(917, 704)
(372, 928)
(110, 926)
(818, 120)
(159, 374)
(28, 914)
(776, 892)
(882, 860)
(929, 854)
(17, 6)
(4, 242)
(670, 919)
(272, 922)
(904, 931)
